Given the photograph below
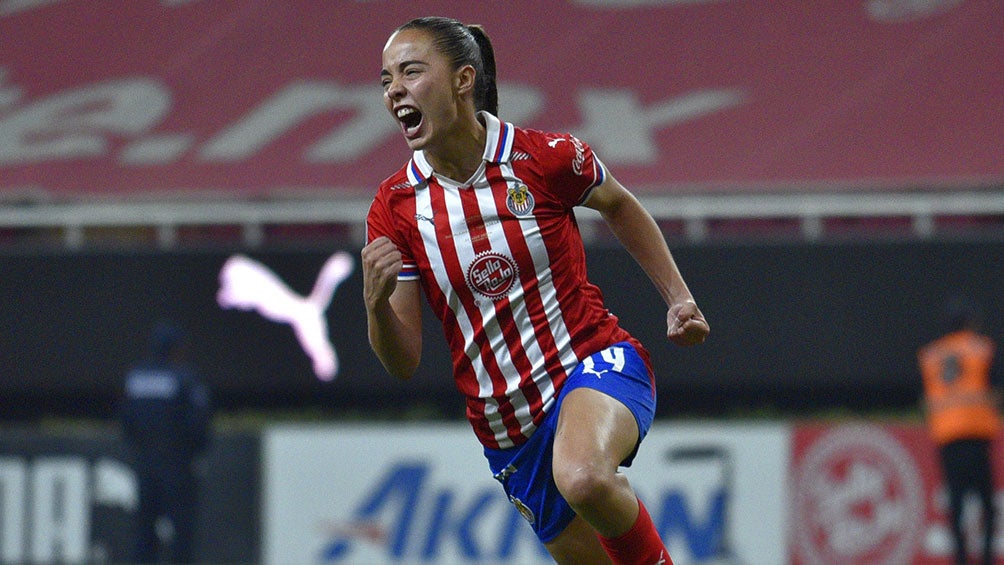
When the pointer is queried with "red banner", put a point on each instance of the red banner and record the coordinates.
(262, 98)
(872, 494)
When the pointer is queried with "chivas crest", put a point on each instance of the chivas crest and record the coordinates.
(519, 200)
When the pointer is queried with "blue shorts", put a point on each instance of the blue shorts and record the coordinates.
(525, 470)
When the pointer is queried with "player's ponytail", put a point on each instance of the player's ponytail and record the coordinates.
(487, 96)
(465, 45)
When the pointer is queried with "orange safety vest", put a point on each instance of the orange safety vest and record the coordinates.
(956, 373)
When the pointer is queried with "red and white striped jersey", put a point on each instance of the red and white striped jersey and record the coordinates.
(502, 264)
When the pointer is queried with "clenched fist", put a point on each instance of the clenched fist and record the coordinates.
(686, 324)
(381, 264)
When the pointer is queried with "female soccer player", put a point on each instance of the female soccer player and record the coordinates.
(482, 217)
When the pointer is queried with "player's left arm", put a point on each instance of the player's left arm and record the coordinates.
(638, 232)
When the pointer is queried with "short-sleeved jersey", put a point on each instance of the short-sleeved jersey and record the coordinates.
(502, 264)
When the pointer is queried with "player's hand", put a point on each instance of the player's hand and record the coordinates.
(381, 265)
(686, 324)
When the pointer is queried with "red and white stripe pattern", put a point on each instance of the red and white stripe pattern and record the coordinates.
(507, 281)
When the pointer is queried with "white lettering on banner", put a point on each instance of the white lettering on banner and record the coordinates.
(413, 519)
(300, 101)
(893, 11)
(83, 122)
(8, 7)
(114, 484)
(521, 103)
(8, 95)
(47, 503)
(13, 492)
(622, 131)
(78, 123)
(406, 515)
(61, 517)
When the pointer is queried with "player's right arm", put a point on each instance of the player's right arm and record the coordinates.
(393, 309)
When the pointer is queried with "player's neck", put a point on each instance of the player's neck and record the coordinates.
(461, 155)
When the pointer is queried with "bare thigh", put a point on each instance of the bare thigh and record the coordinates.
(594, 429)
(595, 433)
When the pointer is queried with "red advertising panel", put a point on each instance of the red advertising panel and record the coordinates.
(253, 99)
(871, 494)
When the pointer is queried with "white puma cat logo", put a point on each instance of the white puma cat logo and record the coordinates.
(247, 284)
(588, 366)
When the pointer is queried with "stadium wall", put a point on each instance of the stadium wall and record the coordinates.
(795, 327)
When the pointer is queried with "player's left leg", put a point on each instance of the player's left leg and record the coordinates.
(577, 544)
(597, 433)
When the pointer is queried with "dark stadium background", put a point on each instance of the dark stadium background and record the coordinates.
(797, 328)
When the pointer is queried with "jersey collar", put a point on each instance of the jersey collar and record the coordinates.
(498, 145)
(498, 149)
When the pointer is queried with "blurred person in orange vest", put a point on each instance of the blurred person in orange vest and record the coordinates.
(961, 406)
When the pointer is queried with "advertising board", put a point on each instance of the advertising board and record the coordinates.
(868, 493)
(424, 494)
(71, 498)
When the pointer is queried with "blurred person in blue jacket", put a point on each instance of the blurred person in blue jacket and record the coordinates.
(166, 419)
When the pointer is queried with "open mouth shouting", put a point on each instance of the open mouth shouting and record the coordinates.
(410, 119)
